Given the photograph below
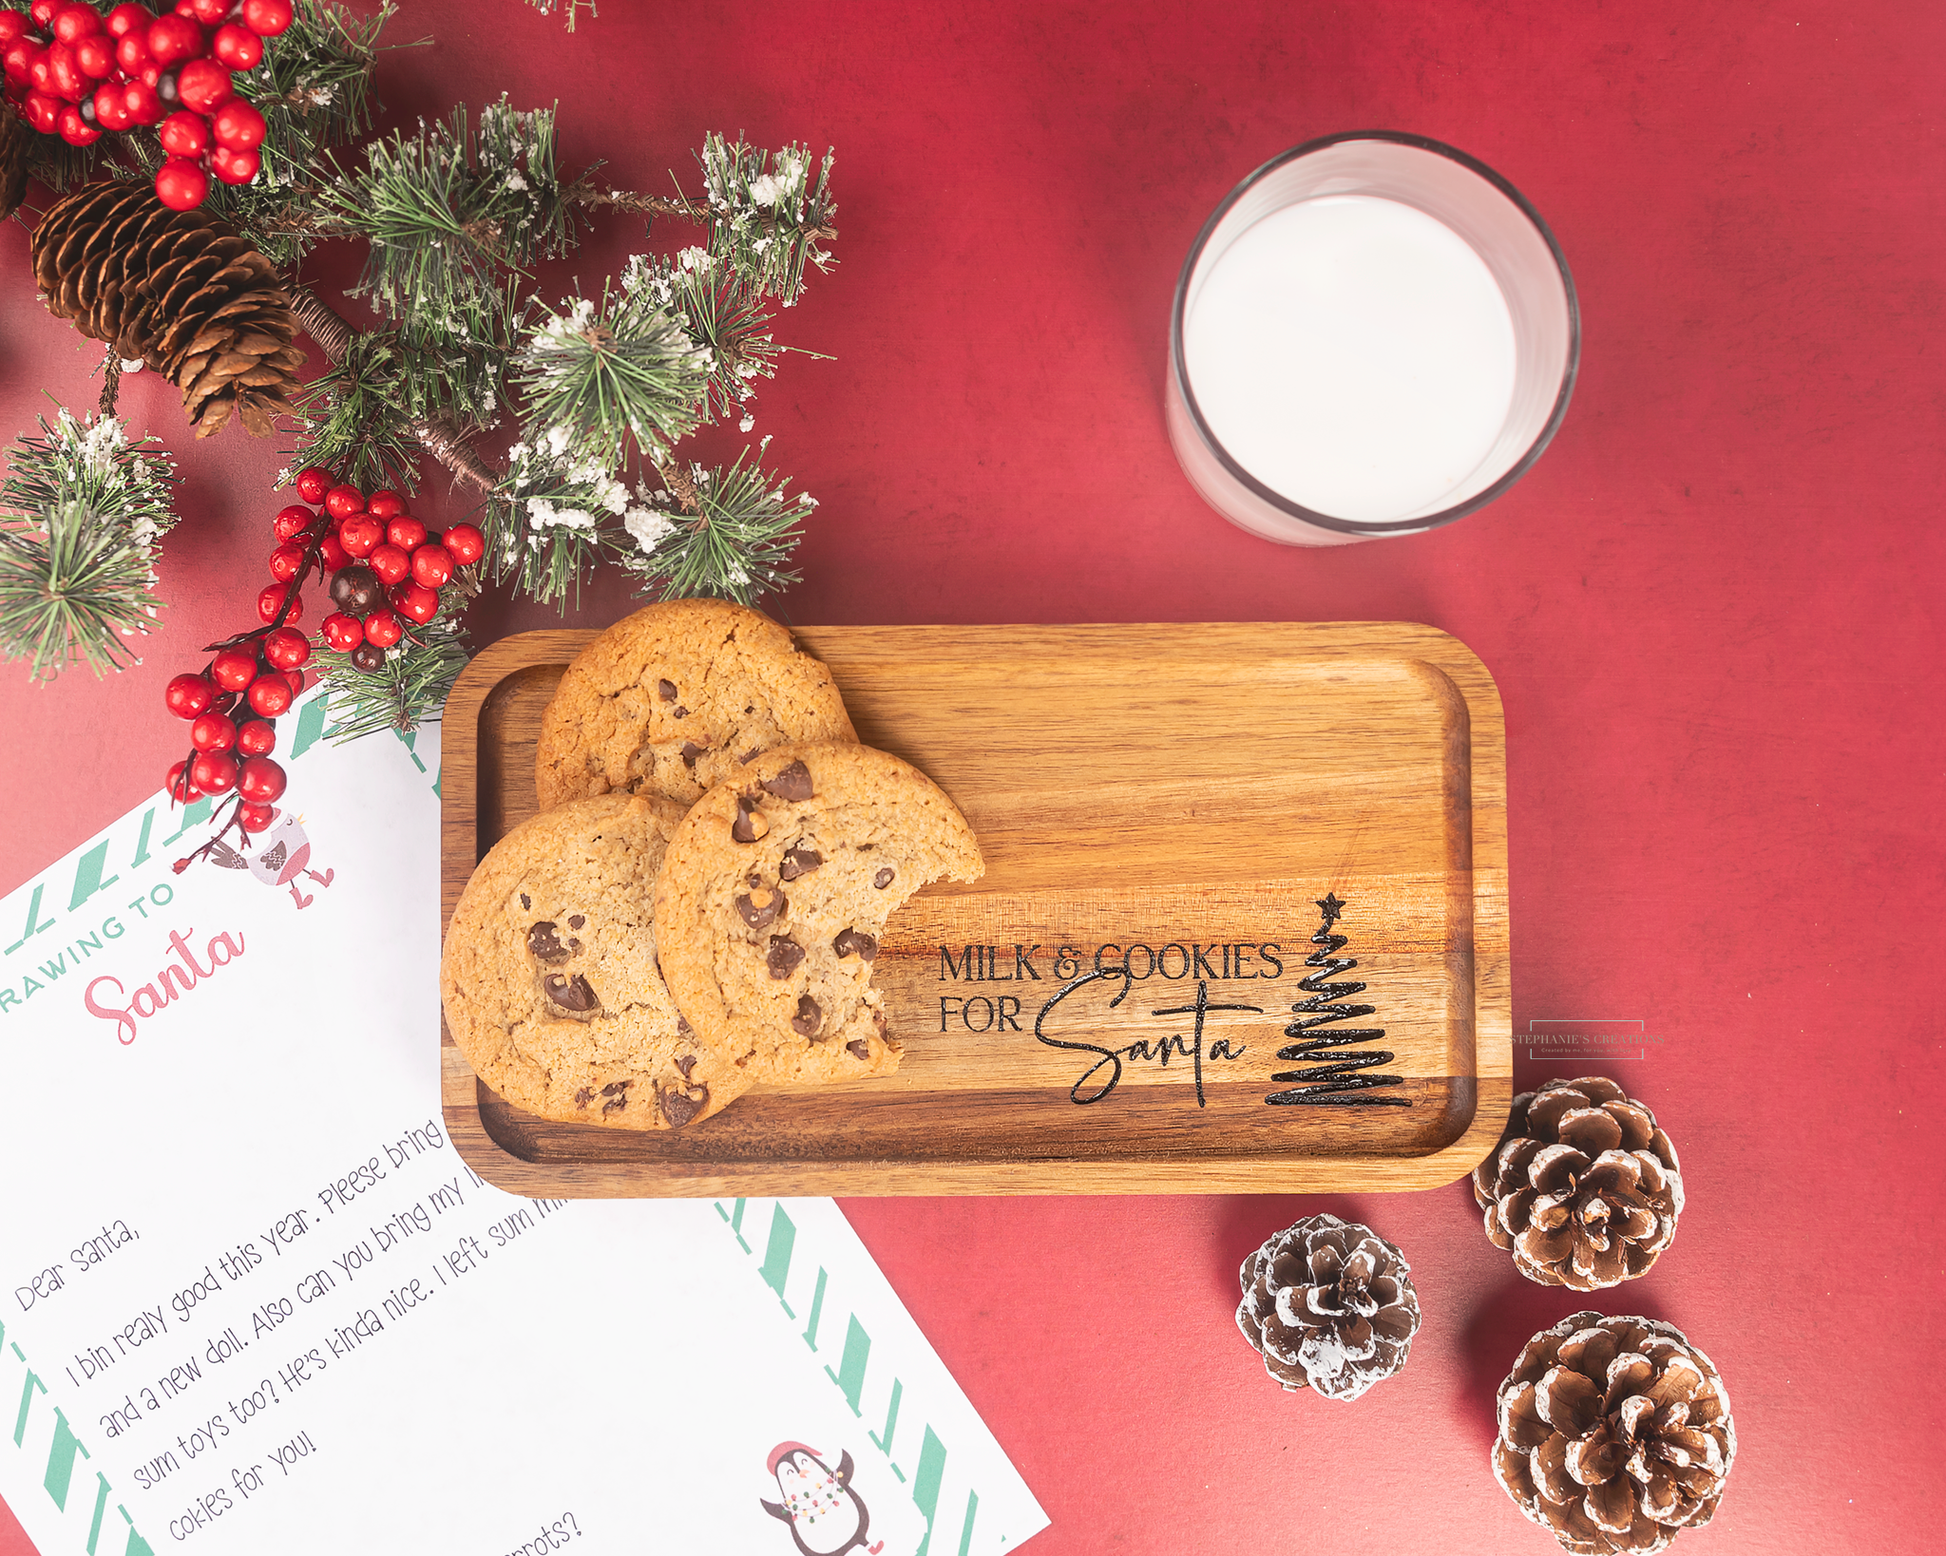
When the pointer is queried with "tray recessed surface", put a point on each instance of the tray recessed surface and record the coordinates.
(1178, 822)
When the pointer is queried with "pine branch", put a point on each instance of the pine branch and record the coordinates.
(125, 482)
(769, 219)
(723, 313)
(73, 586)
(733, 546)
(408, 690)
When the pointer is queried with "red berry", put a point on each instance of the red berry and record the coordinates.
(64, 77)
(204, 85)
(75, 130)
(172, 39)
(267, 18)
(233, 669)
(405, 532)
(132, 53)
(43, 12)
(238, 47)
(312, 482)
(385, 505)
(20, 56)
(75, 21)
(181, 184)
(382, 629)
(143, 103)
(432, 566)
(212, 732)
(238, 126)
(188, 695)
(214, 772)
(332, 550)
(208, 12)
(391, 563)
(181, 789)
(465, 543)
(186, 134)
(95, 56)
(262, 780)
(271, 600)
(234, 167)
(128, 18)
(13, 24)
(256, 738)
(341, 502)
(342, 632)
(286, 648)
(43, 112)
(255, 818)
(295, 678)
(270, 694)
(361, 535)
(292, 521)
(416, 601)
(285, 560)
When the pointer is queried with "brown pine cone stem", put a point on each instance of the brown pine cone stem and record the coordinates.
(1330, 1305)
(1584, 1189)
(1614, 1433)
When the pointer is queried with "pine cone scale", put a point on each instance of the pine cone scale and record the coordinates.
(178, 290)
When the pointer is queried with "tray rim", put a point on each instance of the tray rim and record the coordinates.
(1492, 987)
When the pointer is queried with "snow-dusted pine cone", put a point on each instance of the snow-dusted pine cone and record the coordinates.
(1583, 1189)
(1330, 1305)
(1614, 1434)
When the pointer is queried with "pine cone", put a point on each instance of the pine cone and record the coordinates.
(16, 151)
(1330, 1305)
(181, 291)
(1614, 1434)
(1584, 1189)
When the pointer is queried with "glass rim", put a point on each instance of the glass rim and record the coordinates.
(1179, 370)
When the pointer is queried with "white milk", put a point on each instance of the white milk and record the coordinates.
(1353, 354)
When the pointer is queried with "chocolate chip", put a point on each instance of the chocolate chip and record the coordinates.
(573, 994)
(785, 954)
(575, 921)
(666, 690)
(793, 783)
(750, 824)
(799, 860)
(616, 1088)
(613, 1105)
(752, 754)
(680, 712)
(680, 1107)
(690, 751)
(542, 943)
(684, 1064)
(858, 1048)
(848, 942)
(884, 878)
(761, 906)
(683, 1026)
(526, 903)
(583, 1097)
(805, 1022)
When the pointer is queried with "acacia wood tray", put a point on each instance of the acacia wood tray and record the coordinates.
(1172, 817)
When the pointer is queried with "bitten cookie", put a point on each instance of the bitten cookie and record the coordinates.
(549, 974)
(773, 895)
(672, 699)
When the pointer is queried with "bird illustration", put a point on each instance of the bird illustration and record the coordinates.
(276, 856)
(826, 1517)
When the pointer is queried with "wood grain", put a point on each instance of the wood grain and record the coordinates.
(1169, 799)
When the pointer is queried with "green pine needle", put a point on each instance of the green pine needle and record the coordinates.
(734, 547)
(408, 690)
(769, 218)
(73, 586)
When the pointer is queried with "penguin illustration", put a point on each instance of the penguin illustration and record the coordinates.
(826, 1516)
(275, 856)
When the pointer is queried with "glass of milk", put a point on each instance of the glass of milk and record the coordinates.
(1373, 335)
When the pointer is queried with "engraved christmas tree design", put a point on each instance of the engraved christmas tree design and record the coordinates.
(1331, 1077)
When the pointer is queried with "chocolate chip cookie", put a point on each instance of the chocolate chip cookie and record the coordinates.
(549, 975)
(675, 698)
(774, 893)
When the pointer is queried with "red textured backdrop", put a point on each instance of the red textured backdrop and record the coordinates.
(1712, 610)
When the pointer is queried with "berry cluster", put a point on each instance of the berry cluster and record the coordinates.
(73, 72)
(383, 565)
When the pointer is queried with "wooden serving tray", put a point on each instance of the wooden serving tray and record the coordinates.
(1169, 815)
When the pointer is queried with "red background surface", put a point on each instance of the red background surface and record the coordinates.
(1712, 608)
